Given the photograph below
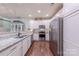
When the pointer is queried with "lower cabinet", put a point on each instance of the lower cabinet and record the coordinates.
(26, 44)
(15, 50)
(18, 49)
(36, 36)
(29, 42)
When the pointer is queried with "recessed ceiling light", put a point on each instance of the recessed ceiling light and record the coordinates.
(47, 15)
(30, 15)
(39, 11)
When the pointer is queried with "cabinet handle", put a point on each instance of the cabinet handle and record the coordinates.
(13, 49)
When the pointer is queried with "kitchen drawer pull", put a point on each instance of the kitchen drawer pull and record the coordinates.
(13, 49)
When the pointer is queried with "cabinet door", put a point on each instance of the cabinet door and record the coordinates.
(25, 44)
(16, 51)
(29, 42)
(36, 36)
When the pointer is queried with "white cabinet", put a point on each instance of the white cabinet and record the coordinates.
(16, 51)
(13, 51)
(26, 44)
(29, 42)
(36, 36)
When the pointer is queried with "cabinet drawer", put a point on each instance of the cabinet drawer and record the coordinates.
(9, 50)
(16, 51)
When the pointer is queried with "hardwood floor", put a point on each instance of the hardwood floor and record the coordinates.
(39, 48)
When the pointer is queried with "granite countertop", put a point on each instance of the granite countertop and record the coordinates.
(7, 43)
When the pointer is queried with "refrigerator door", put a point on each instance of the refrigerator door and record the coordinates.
(61, 36)
(56, 36)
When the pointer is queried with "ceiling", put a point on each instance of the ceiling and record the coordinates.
(29, 10)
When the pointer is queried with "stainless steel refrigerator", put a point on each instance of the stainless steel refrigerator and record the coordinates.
(56, 36)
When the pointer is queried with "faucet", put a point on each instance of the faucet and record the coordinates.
(19, 34)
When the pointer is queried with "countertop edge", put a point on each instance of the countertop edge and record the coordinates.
(13, 44)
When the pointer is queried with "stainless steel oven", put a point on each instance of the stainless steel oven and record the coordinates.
(42, 32)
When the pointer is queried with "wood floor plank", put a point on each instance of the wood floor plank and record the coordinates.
(40, 48)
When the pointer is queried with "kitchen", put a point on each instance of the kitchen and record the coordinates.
(39, 29)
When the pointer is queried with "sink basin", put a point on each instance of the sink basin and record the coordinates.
(21, 36)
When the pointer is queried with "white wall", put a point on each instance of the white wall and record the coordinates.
(35, 24)
(71, 29)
